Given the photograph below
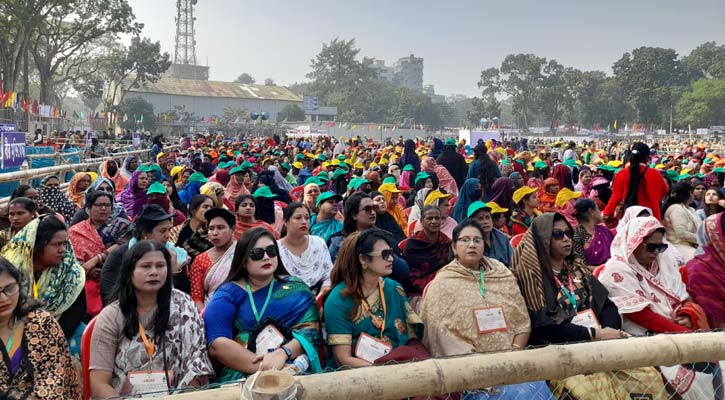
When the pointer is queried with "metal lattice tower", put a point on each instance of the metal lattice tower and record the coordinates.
(185, 51)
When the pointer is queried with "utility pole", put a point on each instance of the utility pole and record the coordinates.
(670, 119)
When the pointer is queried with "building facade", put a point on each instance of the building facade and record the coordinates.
(408, 72)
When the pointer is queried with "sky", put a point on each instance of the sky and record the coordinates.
(456, 38)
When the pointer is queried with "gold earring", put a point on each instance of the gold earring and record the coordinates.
(365, 267)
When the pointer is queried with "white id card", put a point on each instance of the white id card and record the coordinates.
(370, 349)
(152, 382)
(586, 319)
(491, 319)
(268, 338)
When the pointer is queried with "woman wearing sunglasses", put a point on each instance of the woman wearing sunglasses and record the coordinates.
(567, 304)
(368, 316)
(261, 318)
(643, 281)
(37, 359)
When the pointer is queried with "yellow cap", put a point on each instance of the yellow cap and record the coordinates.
(383, 161)
(564, 195)
(495, 208)
(359, 165)
(434, 195)
(297, 165)
(389, 187)
(521, 192)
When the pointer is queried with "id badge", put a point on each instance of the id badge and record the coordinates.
(586, 319)
(268, 338)
(370, 349)
(490, 319)
(153, 382)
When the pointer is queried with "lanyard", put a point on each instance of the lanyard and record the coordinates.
(35, 289)
(481, 282)
(10, 339)
(258, 315)
(568, 293)
(380, 324)
(149, 346)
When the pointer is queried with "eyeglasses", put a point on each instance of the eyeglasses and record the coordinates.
(257, 254)
(559, 235)
(386, 254)
(654, 247)
(367, 209)
(10, 290)
(477, 241)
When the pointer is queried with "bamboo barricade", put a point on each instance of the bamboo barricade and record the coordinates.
(455, 374)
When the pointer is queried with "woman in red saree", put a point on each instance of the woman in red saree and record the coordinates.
(706, 272)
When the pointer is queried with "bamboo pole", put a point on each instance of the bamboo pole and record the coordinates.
(449, 375)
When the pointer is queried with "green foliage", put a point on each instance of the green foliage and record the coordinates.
(487, 107)
(706, 60)
(134, 107)
(291, 112)
(245, 78)
(704, 104)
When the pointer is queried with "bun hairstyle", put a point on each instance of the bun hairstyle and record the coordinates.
(582, 207)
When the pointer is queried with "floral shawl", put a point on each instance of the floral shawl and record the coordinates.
(74, 194)
(132, 198)
(59, 286)
(445, 179)
(633, 287)
(313, 267)
(56, 200)
(234, 189)
(705, 274)
(218, 272)
(119, 181)
(425, 258)
(84, 236)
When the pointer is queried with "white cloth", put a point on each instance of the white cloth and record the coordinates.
(313, 266)
(681, 223)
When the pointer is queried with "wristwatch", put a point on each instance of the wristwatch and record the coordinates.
(288, 352)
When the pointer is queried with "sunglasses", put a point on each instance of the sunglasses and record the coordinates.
(559, 235)
(386, 254)
(654, 247)
(257, 254)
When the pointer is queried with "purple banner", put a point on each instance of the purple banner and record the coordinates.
(13, 149)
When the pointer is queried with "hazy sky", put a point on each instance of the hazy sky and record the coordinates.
(457, 38)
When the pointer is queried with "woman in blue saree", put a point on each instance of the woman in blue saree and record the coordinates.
(261, 318)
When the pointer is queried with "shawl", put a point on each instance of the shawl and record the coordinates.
(394, 209)
(705, 275)
(454, 163)
(218, 272)
(418, 205)
(125, 172)
(406, 179)
(445, 179)
(242, 227)
(425, 258)
(118, 211)
(279, 180)
(562, 173)
(119, 181)
(132, 198)
(388, 223)
(469, 194)
(437, 148)
(500, 248)
(58, 286)
(326, 228)
(211, 189)
(449, 299)
(410, 156)
(190, 190)
(502, 192)
(84, 237)
(234, 190)
(265, 210)
(268, 178)
(57, 200)
(73, 194)
(634, 287)
(221, 177)
(631, 213)
(548, 200)
(580, 187)
(532, 270)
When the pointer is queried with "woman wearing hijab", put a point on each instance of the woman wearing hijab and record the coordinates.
(109, 170)
(410, 156)
(445, 179)
(77, 187)
(562, 173)
(237, 184)
(391, 194)
(437, 148)
(133, 197)
(196, 180)
(547, 195)
(129, 167)
(221, 177)
(50, 195)
(266, 178)
(502, 193)
(470, 192)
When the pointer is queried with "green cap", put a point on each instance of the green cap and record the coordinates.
(450, 141)
(718, 170)
(323, 176)
(222, 165)
(569, 162)
(198, 177)
(672, 174)
(505, 161)
(156, 188)
(286, 166)
(360, 182)
(155, 167)
(236, 170)
(700, 175)
(246, 165)
(353, 181)
(338, 173)
(341, 157)
(343, 165)
(313, 179)
(144, 168)
(390, 179)
(408, 167)
(322, 157)
(540, 164)
(422, 175)
(475, 206)
(324, 196)
(264, 191)
(300, 157)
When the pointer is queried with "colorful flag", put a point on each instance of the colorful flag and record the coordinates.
(615, 124)
(125, 117)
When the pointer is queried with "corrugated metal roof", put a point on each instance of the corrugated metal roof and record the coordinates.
(195, 88)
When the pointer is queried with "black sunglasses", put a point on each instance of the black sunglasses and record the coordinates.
(654, 247)
(257, 254)
(386, 254)
(559, 235)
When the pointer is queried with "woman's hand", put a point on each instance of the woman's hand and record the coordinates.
(272, 361)
(608, 333)
(684, 320)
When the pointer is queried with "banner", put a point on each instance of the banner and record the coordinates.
(136, 139)
(13, 149)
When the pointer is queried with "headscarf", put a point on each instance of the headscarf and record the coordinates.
(705, 272)
(562, 173)
(502, 192)
(125, 172)
(425, 258)
(530, 265)
(75, 195)
(418, 205)
(234, 189)
(279, 179)
(267, 177)
(445, 179)
(221, 177)
(580, 187)
(118, 210)
(469, 194)
(132, 198)
(59, 286)
(393, 207)
(119, 182)
(437, 148)
(307, 199)
(410, 156)
(56, 200)
(210, 189)
(710, 179)
(190, 190)
(631, 213)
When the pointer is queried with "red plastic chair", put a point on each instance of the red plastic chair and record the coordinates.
(86, 358)
(516, 239)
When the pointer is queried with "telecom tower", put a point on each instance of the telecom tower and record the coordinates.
(184, 66)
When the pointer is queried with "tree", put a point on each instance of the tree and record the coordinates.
(707, 60)
(487, 107)
(140, 114)
(291, 112)
(245, 78)
(704, 104)
(648, 76)
(269, 82)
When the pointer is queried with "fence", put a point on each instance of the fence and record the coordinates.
(437, 377)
